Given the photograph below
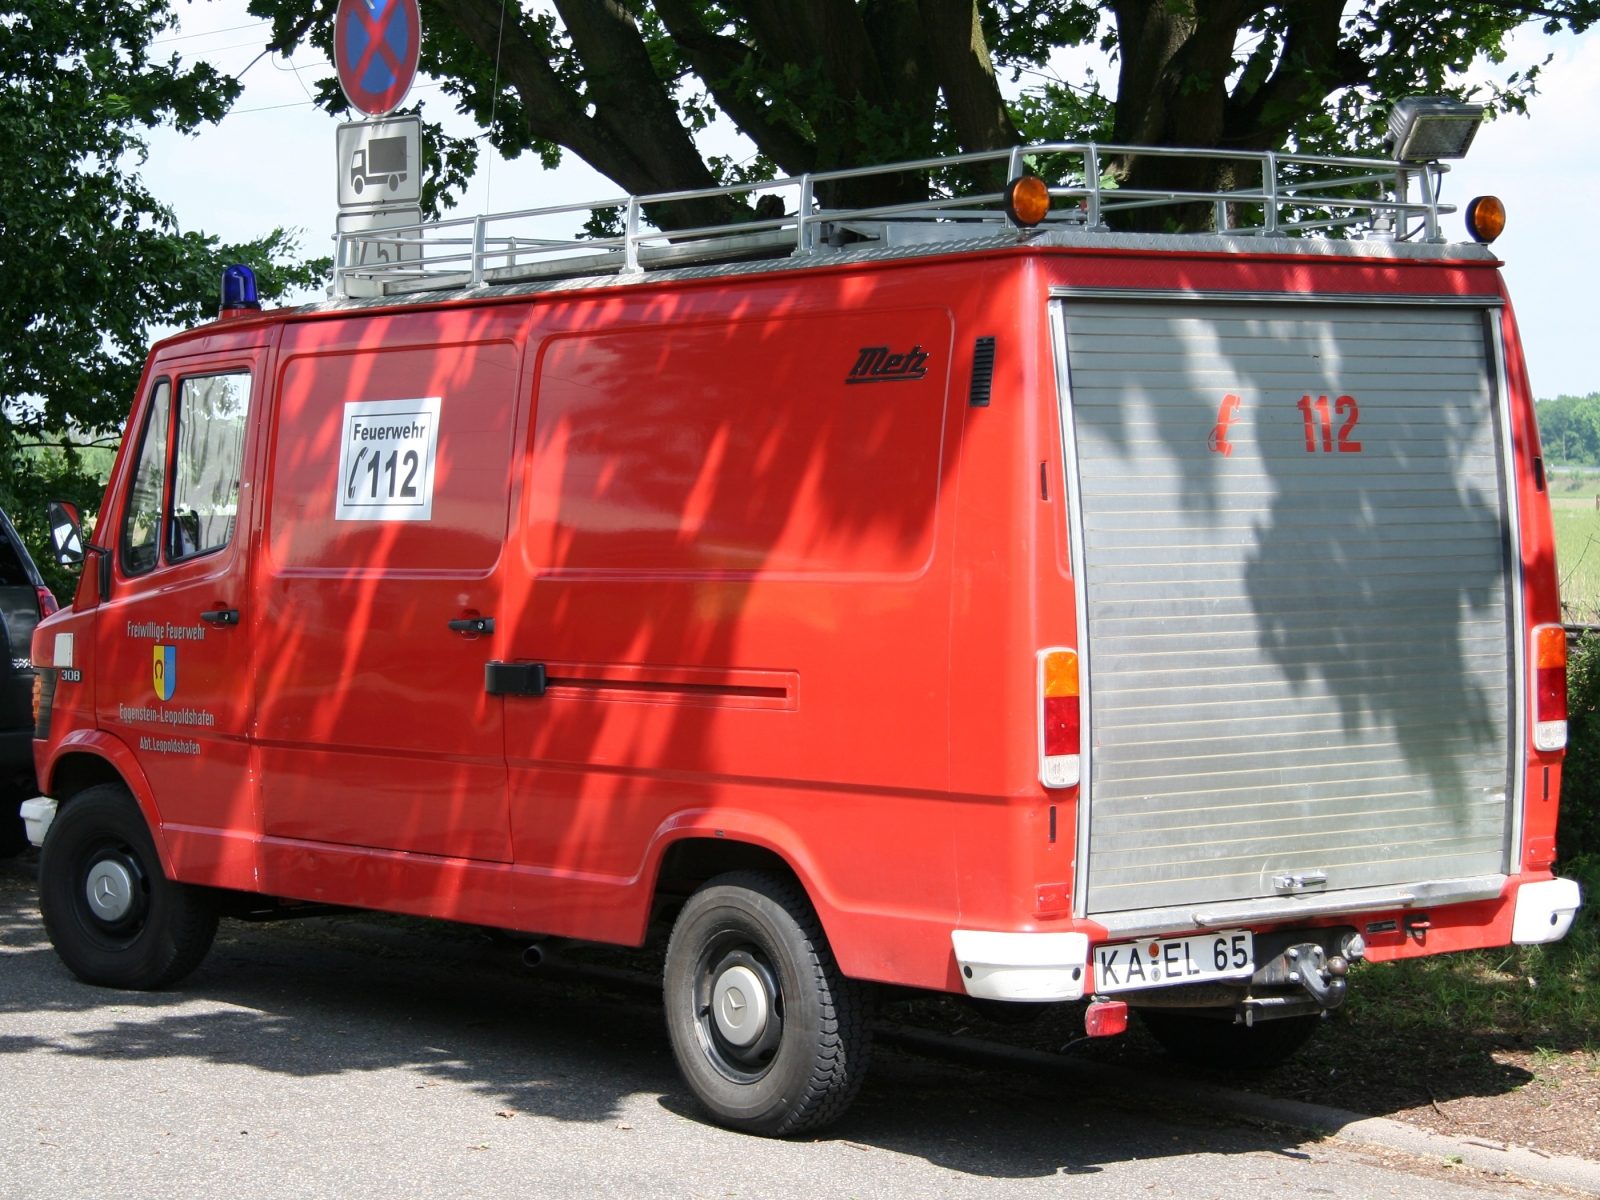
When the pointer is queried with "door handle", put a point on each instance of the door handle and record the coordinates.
(472, 625)
(221, 616)
(514, 679)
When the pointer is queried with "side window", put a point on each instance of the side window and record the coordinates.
(205, 468)
(141, 523)
(12, 572)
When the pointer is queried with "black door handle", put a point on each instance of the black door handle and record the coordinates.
(513, 679)
(221, 616)
(472, 625)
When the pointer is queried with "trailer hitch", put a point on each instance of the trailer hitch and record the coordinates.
(1308, 965)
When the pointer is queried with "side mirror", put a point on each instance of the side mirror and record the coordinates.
(66, 540)
(66, 533)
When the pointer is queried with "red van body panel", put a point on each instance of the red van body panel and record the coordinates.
(775, 608)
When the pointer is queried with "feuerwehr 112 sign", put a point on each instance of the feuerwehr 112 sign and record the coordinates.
(375, 47)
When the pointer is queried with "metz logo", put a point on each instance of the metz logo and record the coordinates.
(876, 365)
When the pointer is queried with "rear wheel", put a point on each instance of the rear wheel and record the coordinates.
(1220, 1045)
(113, 917)
(770, 1036)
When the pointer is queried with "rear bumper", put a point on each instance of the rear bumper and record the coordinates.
(1022, 966)
(1544, 911)
(1284, 909)
(1414, 921)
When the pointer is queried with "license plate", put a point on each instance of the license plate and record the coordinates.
(1167, 962)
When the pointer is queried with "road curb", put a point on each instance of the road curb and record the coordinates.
(1561, 1170)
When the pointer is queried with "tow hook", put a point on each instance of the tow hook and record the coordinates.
(1311, 967)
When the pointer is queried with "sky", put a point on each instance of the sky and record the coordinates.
(270, 162)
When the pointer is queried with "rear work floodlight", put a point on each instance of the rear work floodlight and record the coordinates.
(1425, 129)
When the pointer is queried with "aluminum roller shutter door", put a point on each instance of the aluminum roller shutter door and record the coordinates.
(1299, 659)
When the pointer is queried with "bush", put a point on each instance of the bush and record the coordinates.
(1579, 831)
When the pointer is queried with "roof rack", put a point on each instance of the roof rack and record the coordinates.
(1298, 194)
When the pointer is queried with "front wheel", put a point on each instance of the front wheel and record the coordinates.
(113, 917)
(770, 1036)
(1221, 1045)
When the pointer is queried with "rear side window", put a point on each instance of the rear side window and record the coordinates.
(141, 523)
(205, 466)
(12, 571)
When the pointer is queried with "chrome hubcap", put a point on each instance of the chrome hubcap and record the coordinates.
(740, 1008)
(739, 1005)
(109, 888)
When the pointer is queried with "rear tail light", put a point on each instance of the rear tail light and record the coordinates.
(1058, 718)
(1105, 1018)
(47, 602)
(1550, 687)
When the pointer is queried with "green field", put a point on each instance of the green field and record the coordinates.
(1577, 524)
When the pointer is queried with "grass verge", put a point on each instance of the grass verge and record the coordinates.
(1549, 994)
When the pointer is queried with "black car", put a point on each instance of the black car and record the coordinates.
(24, 602)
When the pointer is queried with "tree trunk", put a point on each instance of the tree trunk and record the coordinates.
(634, 135)
(1172, 91)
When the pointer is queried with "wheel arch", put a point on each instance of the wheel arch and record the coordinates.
(689, 862)
(88, 758)
(693, 847)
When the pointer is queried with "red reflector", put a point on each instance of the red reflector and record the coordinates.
(1552, 693)
(47, 601)
(1550, 673)
(1060, 725)
(1105, 1018)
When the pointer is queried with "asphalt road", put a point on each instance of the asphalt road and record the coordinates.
(314, 1060)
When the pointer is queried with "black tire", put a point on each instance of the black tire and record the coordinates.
(164, 930)
(810, 1057)
(1218, 1044)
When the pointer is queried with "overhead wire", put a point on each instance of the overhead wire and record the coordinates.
(494, 103)
(185, 37)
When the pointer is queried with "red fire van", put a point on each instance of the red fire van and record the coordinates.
(999, 605)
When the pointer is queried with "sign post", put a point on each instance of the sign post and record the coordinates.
(378, 161)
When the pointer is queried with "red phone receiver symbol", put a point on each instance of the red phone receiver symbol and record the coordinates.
(1227, 414)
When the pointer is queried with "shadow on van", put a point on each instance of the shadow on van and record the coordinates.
(1300, 596)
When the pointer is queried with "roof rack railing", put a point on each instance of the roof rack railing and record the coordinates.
(1297, 194)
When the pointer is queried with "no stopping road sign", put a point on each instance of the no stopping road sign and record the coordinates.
(375, 46)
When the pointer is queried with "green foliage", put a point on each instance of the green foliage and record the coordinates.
(1569, 429)
(1551, 990)
(45, 473)
(1277, 74)
(90, 262)
(1579, 832)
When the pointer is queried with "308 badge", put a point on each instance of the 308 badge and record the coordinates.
(166, 671)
